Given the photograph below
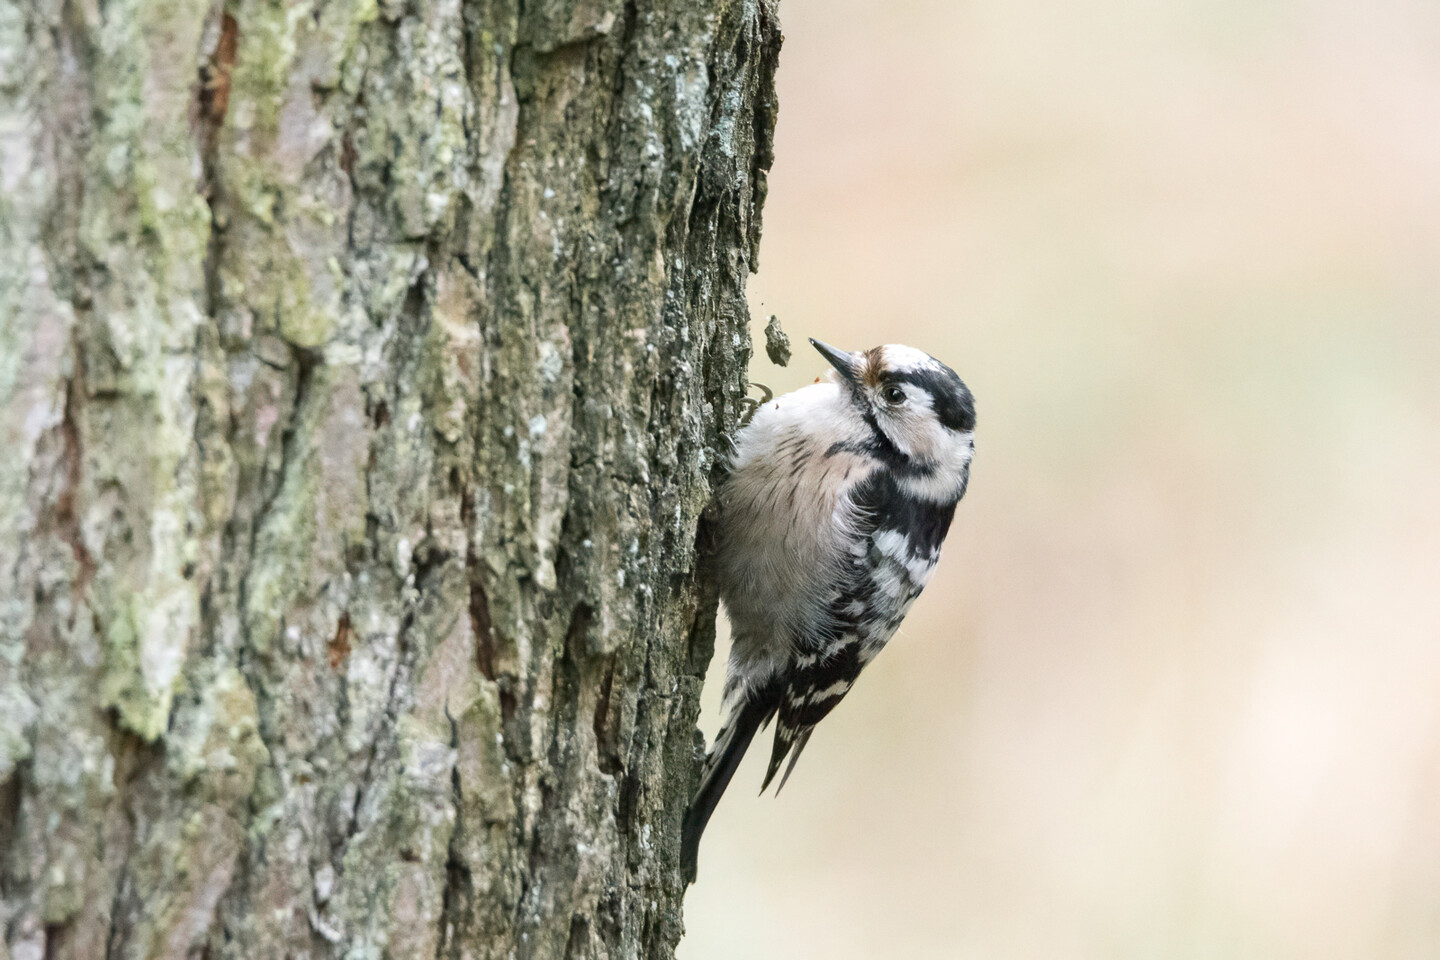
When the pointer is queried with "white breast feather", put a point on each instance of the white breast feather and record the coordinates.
(786, 531)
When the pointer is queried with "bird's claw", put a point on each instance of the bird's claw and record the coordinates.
(749, 406)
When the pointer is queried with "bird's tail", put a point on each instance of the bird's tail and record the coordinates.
(748, 716)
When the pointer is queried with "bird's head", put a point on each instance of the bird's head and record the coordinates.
(915, 402)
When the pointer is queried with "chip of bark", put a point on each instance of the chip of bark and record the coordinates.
(777, 345)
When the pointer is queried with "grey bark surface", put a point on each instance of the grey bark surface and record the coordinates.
(364, 370)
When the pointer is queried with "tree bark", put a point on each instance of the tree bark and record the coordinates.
(364, 370)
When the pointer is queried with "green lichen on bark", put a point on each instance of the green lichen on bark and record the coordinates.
(368, 365)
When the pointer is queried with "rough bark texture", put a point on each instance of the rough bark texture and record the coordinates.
(364, 366)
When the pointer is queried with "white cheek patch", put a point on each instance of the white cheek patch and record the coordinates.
(917, 433)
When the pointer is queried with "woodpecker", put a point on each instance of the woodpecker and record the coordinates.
(830, 522)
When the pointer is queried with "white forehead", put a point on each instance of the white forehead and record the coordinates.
(903, 359)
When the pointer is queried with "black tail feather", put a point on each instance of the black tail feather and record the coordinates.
(789, 741)
(800, 740)
(720, 765)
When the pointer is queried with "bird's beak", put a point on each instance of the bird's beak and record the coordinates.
(847, 364)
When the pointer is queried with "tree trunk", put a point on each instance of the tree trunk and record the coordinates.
(364, 369)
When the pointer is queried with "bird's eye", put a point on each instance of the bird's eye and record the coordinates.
(893, 394)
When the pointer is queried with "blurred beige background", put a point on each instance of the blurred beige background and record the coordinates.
(1174, 691)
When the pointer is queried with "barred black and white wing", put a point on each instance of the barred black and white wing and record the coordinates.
(891, 559)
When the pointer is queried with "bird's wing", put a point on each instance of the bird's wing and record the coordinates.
(896, 546)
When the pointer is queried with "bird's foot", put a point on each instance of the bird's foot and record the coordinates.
(749, 406)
